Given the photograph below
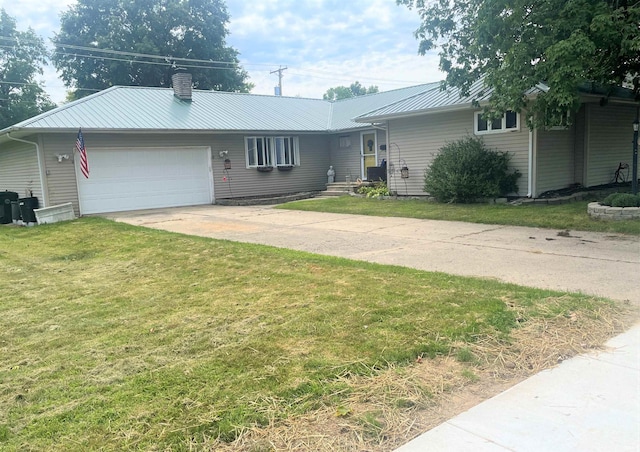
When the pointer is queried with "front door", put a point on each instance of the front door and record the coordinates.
(368, 152)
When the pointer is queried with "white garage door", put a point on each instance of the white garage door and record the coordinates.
(144, 178)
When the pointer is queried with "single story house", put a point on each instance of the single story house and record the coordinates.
(162, 147)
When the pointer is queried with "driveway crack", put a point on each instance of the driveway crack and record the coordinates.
(497, 228)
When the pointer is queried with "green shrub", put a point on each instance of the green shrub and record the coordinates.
(607, 201)
(622, 200)
(377, 190)
(465, 170)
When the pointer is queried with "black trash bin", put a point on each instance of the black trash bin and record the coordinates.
(376, 173)
(26, 209)
(15, 211)
(6, 197)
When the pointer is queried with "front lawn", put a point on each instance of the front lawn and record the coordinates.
(572, 216)
(116, 337)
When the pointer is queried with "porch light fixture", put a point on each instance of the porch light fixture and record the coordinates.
(635, 125)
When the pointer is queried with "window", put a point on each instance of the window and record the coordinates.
(561, 122)
(345, 142)
(258, 152)
(271, 151)
(285, 151)
(509, 122)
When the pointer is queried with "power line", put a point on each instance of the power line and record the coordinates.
(166, 58)
(157, 63)
(198, 63)
(307, 73)
(230, 65)
(2, 82)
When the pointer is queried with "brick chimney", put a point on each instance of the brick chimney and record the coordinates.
(181, 81)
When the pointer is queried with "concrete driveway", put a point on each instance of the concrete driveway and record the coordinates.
(594, 263)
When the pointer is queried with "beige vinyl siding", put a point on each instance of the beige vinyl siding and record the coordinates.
(580, 134)
(382, 140)
(60, 177)
(416, 141)
(347, 161)
(19, 170)
(241, 182)
(555, 159)
(610, 141)
(517, 145)
(311, 175)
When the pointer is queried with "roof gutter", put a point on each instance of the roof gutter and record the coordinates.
(45, 200)
(613, 100)
(428, 111)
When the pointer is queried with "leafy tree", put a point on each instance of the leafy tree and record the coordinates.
(516, 44)
(173, 29)
(346, 92)
(22, 55)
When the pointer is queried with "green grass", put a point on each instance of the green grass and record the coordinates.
(572, 216)
(116, 337)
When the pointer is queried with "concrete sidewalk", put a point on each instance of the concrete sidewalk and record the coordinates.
(588, 403)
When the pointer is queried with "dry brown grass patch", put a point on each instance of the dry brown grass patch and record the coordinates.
(395, 405)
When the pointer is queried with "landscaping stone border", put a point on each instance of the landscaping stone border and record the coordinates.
(265, 200)
(597, 210)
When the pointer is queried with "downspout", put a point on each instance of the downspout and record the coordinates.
(531, 167)
(45, 198)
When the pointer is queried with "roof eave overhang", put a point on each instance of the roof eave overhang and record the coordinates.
(362, 126)
(593, 98)
(22, 132)
(428, 111)
(15, 132)
(87, 130)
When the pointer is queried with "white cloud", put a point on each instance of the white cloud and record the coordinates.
(330, 43)
(324, 43)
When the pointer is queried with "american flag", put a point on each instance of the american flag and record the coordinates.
(84, 164)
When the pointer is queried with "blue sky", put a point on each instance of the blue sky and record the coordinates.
(324, 43)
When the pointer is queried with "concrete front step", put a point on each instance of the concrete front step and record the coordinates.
(333, 193)
(341, 185)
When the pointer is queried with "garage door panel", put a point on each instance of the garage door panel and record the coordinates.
(129, 179)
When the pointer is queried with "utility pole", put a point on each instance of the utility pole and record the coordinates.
(279, 87)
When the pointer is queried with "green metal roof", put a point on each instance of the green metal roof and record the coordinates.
(436, 100)
(138, 108)
(152, 109)
(157, 109)
(344, 111)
